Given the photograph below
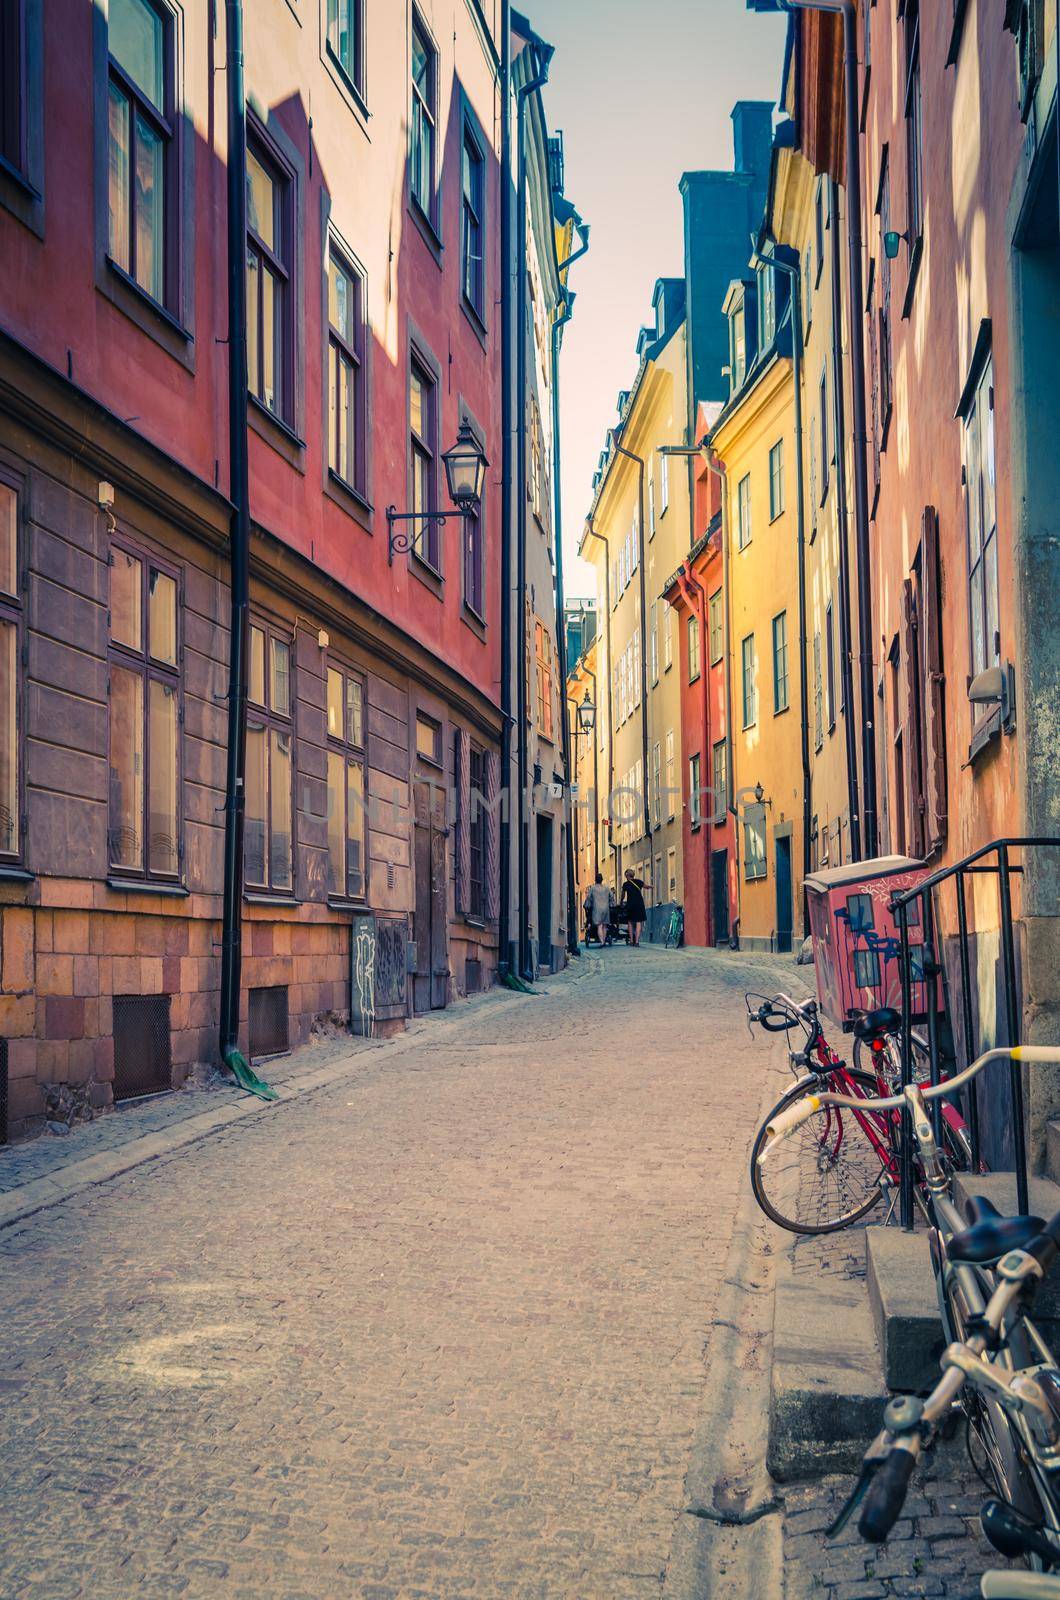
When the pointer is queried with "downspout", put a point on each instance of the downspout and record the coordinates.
(596, 774)
(239, 543)
(572, 831)
(621, 450)
(794, 276)
(559, 323)
(869, 832)
(846, 665)
(610, 668)
(526, 965)
(505, 863)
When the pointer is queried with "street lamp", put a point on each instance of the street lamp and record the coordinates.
(465, 475)
(587, 714)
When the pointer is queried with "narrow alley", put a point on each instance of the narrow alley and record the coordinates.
(442, 1328)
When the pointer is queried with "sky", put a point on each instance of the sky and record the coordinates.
(643, 91)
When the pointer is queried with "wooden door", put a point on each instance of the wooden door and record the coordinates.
(430, 988)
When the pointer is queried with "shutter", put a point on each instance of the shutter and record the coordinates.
(463, 821)
(911, 686)
(934, 704)
(492, 865)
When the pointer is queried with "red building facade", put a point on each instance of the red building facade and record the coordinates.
(373, 279)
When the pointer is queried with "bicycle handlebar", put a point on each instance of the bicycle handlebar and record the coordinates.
(782, 1012)
(784, 1125)
(887, 1491)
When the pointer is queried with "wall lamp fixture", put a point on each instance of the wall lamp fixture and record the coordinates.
(465, 474)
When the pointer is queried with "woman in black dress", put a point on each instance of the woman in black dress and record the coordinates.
(633, 901)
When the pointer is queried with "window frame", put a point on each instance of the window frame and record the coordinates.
(284, 179)
(781, 679)
(744, 533)
(748, 688)
(426, 543)
(339, 349)
(776, 480)
(756, 864)
(829, 668)
(354, 79)
(720, 781)
(13, 613)
(695, 655)
(670, 767)
(273, 721)
(474, 302)
(695, 784)
(913, 113)
(164, 121)
(150, 669)
(716, 619)
(428, 107)
(825, 433)
(351, 754)
(982, 550)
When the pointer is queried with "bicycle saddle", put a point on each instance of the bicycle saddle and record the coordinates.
(989, 1234)
(871, 1024)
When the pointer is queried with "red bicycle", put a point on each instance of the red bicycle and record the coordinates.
(841, 1164)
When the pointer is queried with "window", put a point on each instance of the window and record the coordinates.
(695, 810)
(634, 543)
(719, 757)
(347, 855)
(270, 739)
(424, 92)
(913, 124)
(651, 505)
(693, 649)
(141, 160)
(664, 483)
(818, 694)
(473, 233)
(543, 652)
(776, 480)
(653, 640)
(717, 626)
(10, 652)
(984, 625)
(12, 84)
(347, 421)
(823, 423)
(476, 901)
(428, 738)
(536, 486)
(747, 681)
(671, 774)
(668, 639)
(829, 661)
(743, 511)
(754, 832)
(767, 306)
(345, 39)
(656, 784)
(883, 207)
(820, 224)
(780, 663)
(422, 428)
(144, 718)
(269, 302)
(671, 875)
(635, 668)
(737, 348)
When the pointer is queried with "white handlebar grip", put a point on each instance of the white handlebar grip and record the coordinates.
(784, 1124)
(1048, 1054)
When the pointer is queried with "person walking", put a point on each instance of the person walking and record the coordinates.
(598, 902)
(633, 900)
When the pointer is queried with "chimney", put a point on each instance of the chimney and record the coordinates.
(752, 135)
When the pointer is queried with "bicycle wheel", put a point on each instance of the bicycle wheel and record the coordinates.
(827, 1175)
(956, 1138)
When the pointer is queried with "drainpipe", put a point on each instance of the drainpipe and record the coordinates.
(559, 323)
(591, 531)
(846, 665)
(505, 863)
(532, 85)
(596, 774)
(638, 461)
(869, 833)
(239, 493)
(794, 276)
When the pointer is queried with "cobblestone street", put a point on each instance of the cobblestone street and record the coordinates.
(435, 1330)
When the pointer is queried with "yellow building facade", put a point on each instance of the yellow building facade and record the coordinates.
(754, 443)
(637, 531)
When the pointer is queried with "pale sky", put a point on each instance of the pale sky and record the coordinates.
(642, 90)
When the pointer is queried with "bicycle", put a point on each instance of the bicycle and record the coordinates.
(675, 929)
(839, 1173)
(997, 1367)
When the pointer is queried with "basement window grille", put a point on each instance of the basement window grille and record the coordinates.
(143, 1057)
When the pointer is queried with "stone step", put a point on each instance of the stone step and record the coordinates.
(904, 1306)
(1052, 1149)
(1044, 1196)
(828, 1393)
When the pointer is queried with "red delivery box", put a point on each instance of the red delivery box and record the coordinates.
(856, 940)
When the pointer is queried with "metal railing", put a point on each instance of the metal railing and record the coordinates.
(963, 1014)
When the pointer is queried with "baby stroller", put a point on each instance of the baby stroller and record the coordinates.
(618, 929)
